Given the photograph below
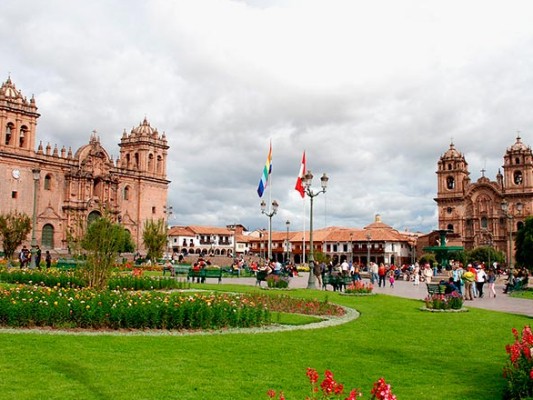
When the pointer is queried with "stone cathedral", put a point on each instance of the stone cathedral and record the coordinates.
(485, 212)
(69, 188)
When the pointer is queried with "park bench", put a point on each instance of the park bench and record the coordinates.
(435, 288)
(337, 281)
(68, 263)
(204, 273)
(519, 285)
(178, 269)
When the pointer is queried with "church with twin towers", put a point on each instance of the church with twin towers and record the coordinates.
(68, 188)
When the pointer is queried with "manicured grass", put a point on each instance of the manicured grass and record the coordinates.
(423, 355)
(523, 294)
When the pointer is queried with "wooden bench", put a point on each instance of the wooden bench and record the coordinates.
(337, 281)
(435, 288)
(202, 274)
(68, 263)
(519, 285)
(178, 269)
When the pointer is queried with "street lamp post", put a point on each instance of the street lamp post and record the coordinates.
(508, 214)
(288, 259)
(308, 180)
(273, 209)
(351, 248)
(368, 238)
(36, 176)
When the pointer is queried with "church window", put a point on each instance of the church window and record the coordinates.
(126, 193)
(137, 160)
(519, 225)
(23, 135)
(450, 167)
(47, 239)
(449, 210)
(150, 162)
(9, 132)
(450, 182)
(517, 177)
(450, 227)
(517, 161)
(159, 164)
(484, 222)
(48, 182)
(14, 194)
(153, 210)
(128, 161)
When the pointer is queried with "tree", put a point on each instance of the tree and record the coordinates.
(14, 228)
(524, 244)
(155, 238)
(486, 254)
(104, 240)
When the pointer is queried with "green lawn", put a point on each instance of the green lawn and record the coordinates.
(423, 355)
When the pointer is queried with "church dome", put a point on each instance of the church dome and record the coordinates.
(518, 145)
(8, 90)
(144, 129)
(451, 152)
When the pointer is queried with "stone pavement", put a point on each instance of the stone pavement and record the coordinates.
(401, 288)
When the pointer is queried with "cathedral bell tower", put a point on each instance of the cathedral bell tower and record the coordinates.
(144, 150)
(18, 120)
(453, 178)
(518, 168)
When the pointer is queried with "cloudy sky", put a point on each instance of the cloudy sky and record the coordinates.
(373, 91)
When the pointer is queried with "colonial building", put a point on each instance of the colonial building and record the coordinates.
(376, 242)
(485, 212)
(64, 189)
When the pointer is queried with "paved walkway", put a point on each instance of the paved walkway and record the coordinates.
(502, 302)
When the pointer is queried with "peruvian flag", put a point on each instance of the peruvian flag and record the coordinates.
(299, 184)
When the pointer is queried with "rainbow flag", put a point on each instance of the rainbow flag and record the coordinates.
(267, 170)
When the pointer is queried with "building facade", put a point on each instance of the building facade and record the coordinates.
(63, 189)
(485, 212)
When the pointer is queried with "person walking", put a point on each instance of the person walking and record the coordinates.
(480, 280)
(416, 273)
(457, 274)
(382, 273)
(491, 280)
(468, 280)
(428, 273)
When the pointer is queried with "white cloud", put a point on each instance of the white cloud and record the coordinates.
(373, 91)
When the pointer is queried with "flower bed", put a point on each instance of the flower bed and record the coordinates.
(444, 302)
(57, 307)
(331, 389)
(277, 282)
(519, 368)
(359, 288)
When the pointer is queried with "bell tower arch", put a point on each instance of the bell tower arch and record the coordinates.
(518, 168)
(18, 120)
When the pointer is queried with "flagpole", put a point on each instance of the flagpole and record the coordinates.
(303, 232)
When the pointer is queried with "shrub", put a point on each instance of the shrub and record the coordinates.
(519, 368)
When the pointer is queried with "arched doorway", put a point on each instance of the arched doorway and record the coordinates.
(47, 238)
(93, 215)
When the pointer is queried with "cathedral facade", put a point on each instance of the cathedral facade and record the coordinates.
(65, 189)
(485, 212)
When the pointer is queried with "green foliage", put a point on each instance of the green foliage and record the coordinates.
(155, 238)
(428, 258)
(103, 241)
(524, 244)
(14, 228)
(486, 254)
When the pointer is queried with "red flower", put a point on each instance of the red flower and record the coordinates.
(271, 393)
